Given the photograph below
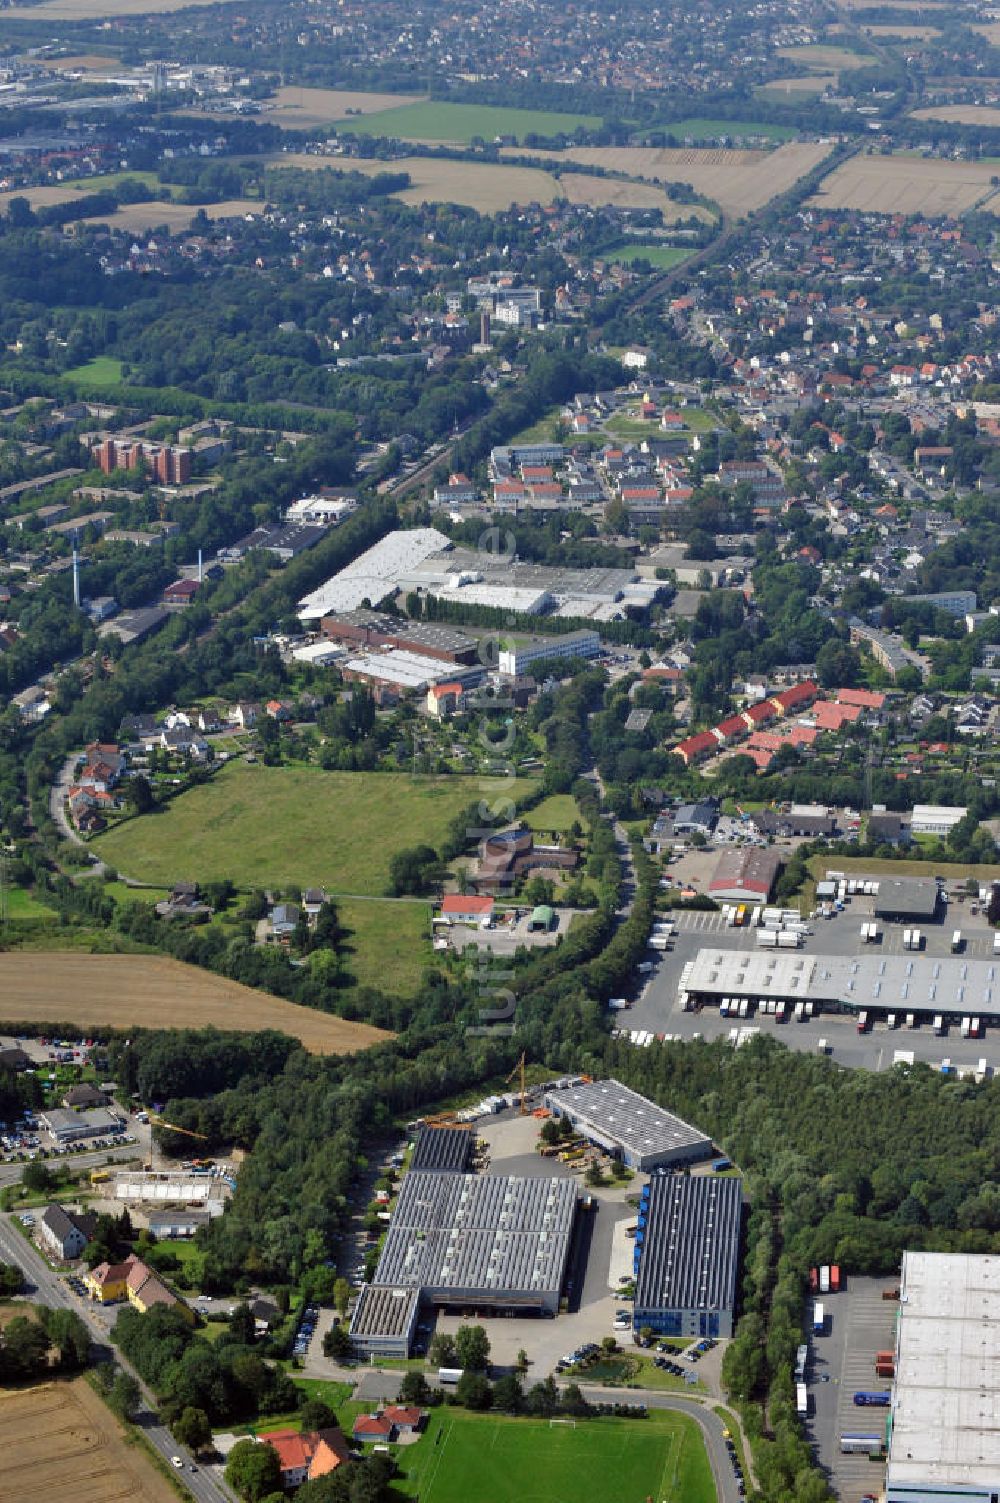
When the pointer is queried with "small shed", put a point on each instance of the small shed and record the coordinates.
(542, 920)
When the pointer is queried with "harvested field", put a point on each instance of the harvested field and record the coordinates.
(821, 59)
(60, 1440)
(991, 31)
(297, 109)
(99, 10)
(87, 62)
(810, 83)
(739, 181)
(914, 6)
(905, 185)
(489, 187)
(152, 991)
(914, 33)
(135, 217)
(961, 114)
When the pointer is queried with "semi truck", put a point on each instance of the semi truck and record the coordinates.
(767, 939)
(787, 940)
(819, 1319)
(861, 1445)
(824, 1279)
(801, 1400)
(872, 1400)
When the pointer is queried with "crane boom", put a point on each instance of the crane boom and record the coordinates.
(172, 1127)
(519, 1071)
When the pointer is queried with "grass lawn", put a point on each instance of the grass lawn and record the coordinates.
(277, 826)
(539, 432)
(100, 372)
(122, 893)
(434, 120)
(661, 256)
(191, 1260)
(22, 904)
(113, 179)
(867, 866)
(531, 1461)
(557, 812)
(388, 944)
(699, 129)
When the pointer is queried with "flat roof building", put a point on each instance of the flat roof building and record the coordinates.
(944, 1440)
(924, 985)
(906, 898)
(443, 1150)
(384, 1320)
(687, 1255)
(936, 819)
(67, 1126)
(514, 660)
(492, 1241)
(624, 1123)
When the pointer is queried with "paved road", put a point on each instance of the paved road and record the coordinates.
(51, 1289)
(12, 1174)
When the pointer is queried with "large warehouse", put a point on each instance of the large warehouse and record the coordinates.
(482, 1240)
(923, 985)
(642, 1135)
(687, 1254)
(944, 1440)
(744, 876)
(906, 898)
(446, 1150)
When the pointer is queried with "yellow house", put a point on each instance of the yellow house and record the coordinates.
(132, 1280)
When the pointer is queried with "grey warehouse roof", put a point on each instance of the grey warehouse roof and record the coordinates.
(946, 1401)
(384, 1311)
(897, 983)
(623, 1117)
(479, 1232)
(443, 1149)
(915, 896)
(692, 1240)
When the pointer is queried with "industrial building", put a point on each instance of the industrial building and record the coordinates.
(618, 1119)
(944, 1425)
(687, 1255)
(518, 658)
(384, 1320)
(745, 876)
(378, 572)
(936, 819)
(922, 985)
(443, 1150)
(906, 898)
(488, 1241)
(68, 1126)
(428, 638)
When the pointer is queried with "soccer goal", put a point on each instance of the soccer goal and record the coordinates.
(570, 1422)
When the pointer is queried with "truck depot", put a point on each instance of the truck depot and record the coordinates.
(910, 988)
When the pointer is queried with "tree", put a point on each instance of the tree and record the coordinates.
(139, 794)
(414, 1389)
(25, 1347)
(342, 1296)
(192, 1428)
(472, 1348)
(11, 1279)
(337, 1343)
(473, 1391)
(316, 1415)
(37, 1177)
(242, 1325)
(442, 1350)
(253, 1470)
(67, 1331)
(508, 1394)
(125, 1396)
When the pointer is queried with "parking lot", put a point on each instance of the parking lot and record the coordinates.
(504, 939)
(655, 1008)
(858, 1324)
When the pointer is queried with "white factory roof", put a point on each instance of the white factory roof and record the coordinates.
(407, 669)
(376, 573)
(897, 983)
(502, 597)
(318, 653)
(946, 1398)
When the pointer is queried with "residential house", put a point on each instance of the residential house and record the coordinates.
(64, 1234)
(84, 1096)
(244, 715)
(305, 1455)
(181, 592)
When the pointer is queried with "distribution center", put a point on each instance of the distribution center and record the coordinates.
(641, 1134)
(686, 1255)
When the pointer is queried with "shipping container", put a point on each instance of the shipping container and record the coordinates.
(824, 1279)
(862, 1022)
(834, 1277)
(767, 939)
(939, 1023)
(885, 1357)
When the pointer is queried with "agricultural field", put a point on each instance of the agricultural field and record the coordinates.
(61, 1440)
(489, 187)
(809, 83)
(86, 62)
(465, 1455)
(906, 185)
(913, 33)
(278, 827)
(738, 181)
(387, 944)
(295, 108)
(962, 114)
(661, 256)
(698, 129)
(991, 31)
(152, 991)
(434, 120)
(820, 59)
(141, 216)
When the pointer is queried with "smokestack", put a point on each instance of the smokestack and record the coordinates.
(76, 577)
(199, 566)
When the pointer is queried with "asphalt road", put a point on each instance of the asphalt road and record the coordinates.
(50, 1288)
(12, 1174)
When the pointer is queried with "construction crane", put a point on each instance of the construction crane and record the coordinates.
(172, 1127)
(519, 1071)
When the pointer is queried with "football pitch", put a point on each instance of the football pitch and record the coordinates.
(495, 1460)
